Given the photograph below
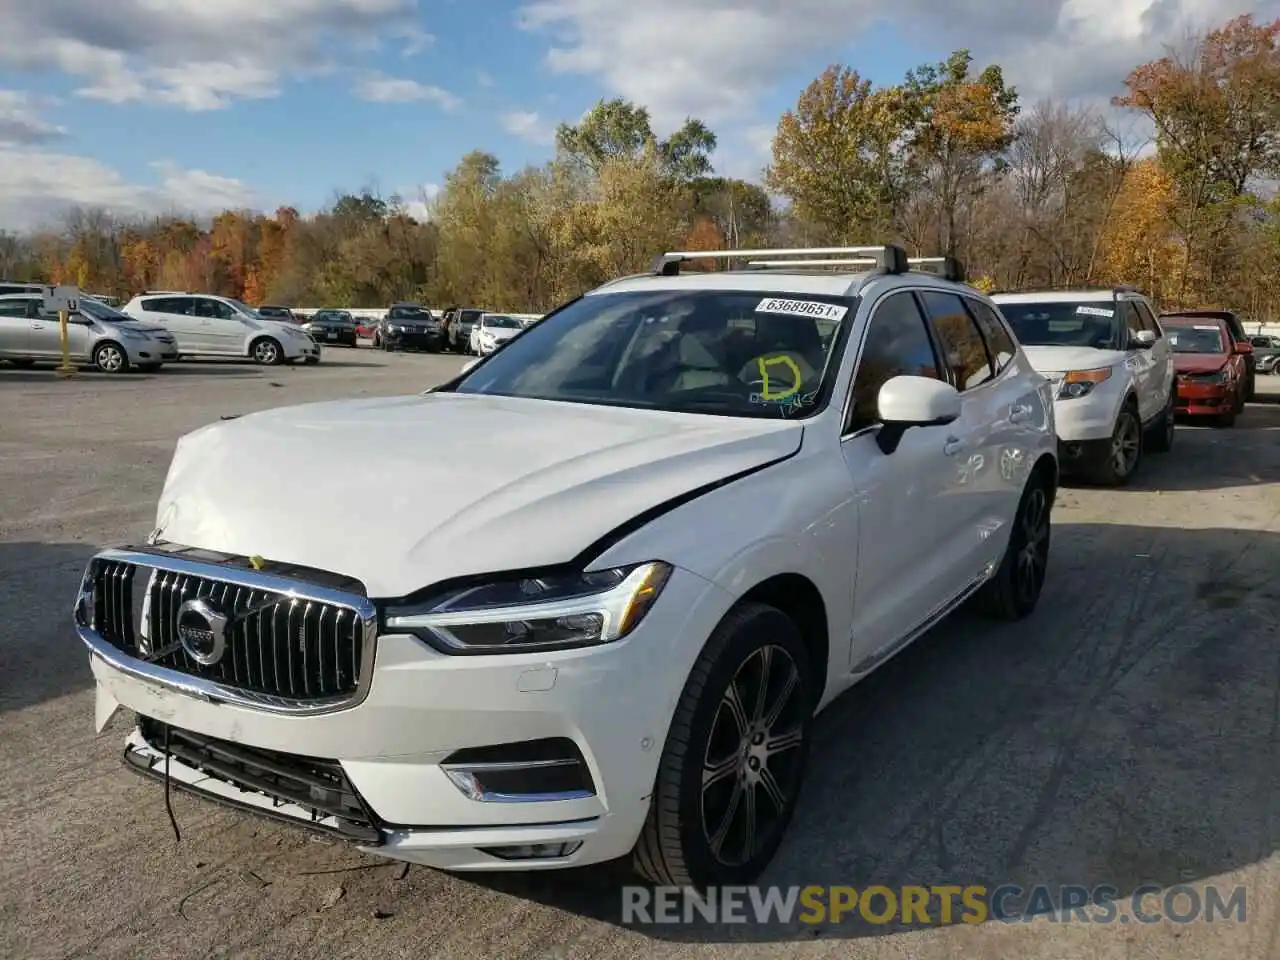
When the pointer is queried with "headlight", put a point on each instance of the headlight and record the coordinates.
(134, 334)
(555, 612)
(1079, 383)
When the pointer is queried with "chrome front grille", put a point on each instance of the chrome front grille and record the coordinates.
(283, 643)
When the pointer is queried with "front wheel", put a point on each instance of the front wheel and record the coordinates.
(735, 757)
(267, 352)
(110, 358)
(1125, 451)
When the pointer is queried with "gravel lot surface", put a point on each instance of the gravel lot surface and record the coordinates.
(1128, 733)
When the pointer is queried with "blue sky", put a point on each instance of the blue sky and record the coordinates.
(272, 102)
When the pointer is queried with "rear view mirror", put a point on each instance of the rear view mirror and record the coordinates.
(906, 402)
(1244, 346)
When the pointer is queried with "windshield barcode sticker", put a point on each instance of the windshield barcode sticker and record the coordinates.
(1096, 311)
(802, 308)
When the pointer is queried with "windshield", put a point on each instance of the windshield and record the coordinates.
(246, 309)
(742, 354)
(468, 316)
(273, 312)
(98, 310)
(1194, 337)
(1067, 323)
(503, 323)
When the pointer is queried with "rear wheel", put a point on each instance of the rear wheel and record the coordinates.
(731, 770)
(1014, 591)
(1160, 437)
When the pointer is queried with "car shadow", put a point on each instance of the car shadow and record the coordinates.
(40, 658)
(1206, 457)
(1118, 737)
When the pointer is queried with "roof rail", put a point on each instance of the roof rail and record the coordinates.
(1125, 288)
(887, 258)
(792, 264)
(948, 268)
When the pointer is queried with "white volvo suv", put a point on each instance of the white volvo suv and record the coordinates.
(207, 325)
(705, 504)
(1112, 371)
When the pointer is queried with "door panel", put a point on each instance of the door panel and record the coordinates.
(905, 561)
(46, 337)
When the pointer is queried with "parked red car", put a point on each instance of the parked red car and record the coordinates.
(1210, 366)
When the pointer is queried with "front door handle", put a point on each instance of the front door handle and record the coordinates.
(953, 446)
(1020, 412)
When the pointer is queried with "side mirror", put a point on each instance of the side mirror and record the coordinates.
(906, 402)
(466, 367)
(1244, 347)
(1142, 340)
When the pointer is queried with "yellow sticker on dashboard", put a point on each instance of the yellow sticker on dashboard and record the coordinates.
(764, 363)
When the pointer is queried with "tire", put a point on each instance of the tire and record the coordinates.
(1013, 592)
(110, 357)
(676, 845)
(1159, 438)
(1125, 454)
(267, 351)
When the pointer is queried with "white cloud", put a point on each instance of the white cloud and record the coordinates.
(194, 54)
(37, 186)
(417, 201)
(529, 126)
(20, 121)
(378, 88)
(718, 58)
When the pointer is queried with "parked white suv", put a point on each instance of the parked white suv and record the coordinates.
(206, 325)
(1112, 372)
(705, 505)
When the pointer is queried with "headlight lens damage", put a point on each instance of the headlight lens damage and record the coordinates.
(553, 612)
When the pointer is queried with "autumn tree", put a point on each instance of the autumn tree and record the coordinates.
(959, 126)
(1216, 111)
(834, 157)
(620, 130)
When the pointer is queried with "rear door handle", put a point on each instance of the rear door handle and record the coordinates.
(1019, 412)
(953, 446)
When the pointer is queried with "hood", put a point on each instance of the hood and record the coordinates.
(1060, 359)
(404, 492)
(502, 333)
(1199, 362)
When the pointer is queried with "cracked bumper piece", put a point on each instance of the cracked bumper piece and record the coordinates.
(529, 761)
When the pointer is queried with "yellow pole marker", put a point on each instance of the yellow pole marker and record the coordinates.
(764, 363)
(257, 562)
(66, 369)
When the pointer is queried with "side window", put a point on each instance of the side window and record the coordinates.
(221, 310)
(962, 343)
(1147, 318)
(1129, 314)
(997, 335)
(897, 344)
(204, 308)
(13, 308)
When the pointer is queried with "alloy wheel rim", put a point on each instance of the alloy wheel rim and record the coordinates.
(751, 763)
(1124, 445)
(109, 359)
(1033, 554)
(266, 352)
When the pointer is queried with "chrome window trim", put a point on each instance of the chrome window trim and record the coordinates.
(207, 690)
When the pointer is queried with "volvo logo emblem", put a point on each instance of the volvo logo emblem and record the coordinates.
(202, 631)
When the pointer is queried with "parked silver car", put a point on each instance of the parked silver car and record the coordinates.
(97, 334)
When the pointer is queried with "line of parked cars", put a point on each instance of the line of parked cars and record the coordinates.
(150, 330)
